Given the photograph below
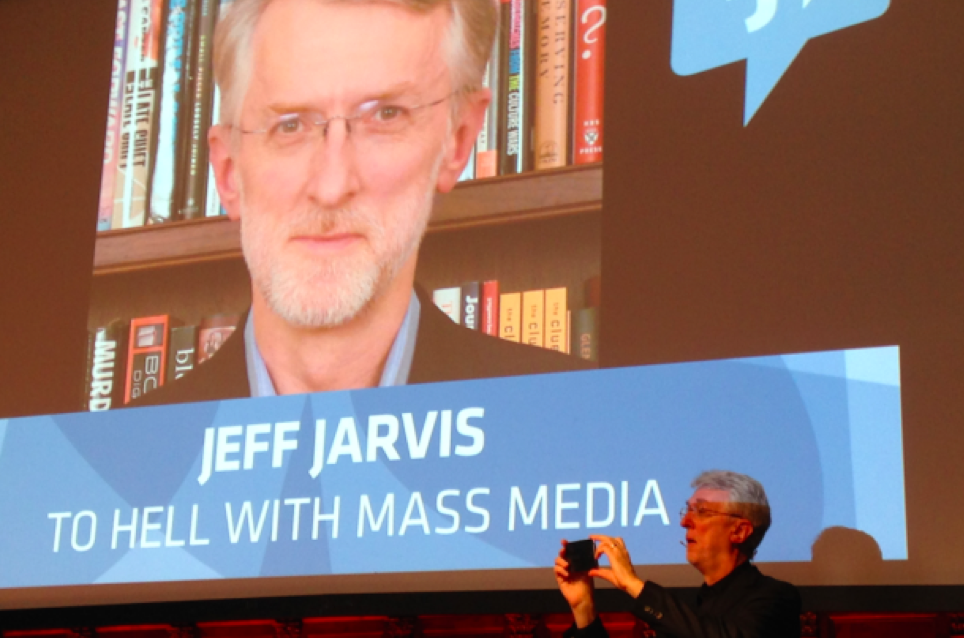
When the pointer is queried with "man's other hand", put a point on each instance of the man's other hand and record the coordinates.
(577, 589)
(620, 571)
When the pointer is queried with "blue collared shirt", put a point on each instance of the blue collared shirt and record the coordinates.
(396, 370)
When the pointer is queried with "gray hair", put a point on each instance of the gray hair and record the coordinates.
(747, 500)
(468, 44)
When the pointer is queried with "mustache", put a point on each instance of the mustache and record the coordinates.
(319, 221)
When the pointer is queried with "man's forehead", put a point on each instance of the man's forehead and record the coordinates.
(351, 50)
(710, 495)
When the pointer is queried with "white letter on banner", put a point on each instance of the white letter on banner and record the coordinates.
(247, 513)
(194, 539)
(118, 528)
(207, 456)
(169, 540)
(481, 511)
(318, 463)
(346, 442)
(59, 517)
(652, 487)
(221, 462)
(418, 446)
(92, 534)
(282, 443)
(251, 443)
(148, 526)
(319, 517)
(445, 511)
(590, 504)
(445, 436)
(387, 442)
(388, 509)
(515, 500)
(415, 501)
(624, 503)
(562, 505)
(296, 504)
(471, 431)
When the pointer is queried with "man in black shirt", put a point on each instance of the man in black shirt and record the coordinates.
(725, 520)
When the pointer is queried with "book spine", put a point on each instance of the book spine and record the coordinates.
(139, 114)
(212, 206)
(212, 334)
(447, 299)
(513, 142)
(589, 67)
(146, 355)
(487, 146)
(471, 306)
(533, 317)
(557, 328)
(115, 105)
(585, 336)
(182, 354)
(510, 316)
(173, 87)
(553, 66)
(107, 366)
(490, 308)
(195, 169)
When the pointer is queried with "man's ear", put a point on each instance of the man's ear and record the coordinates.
(741, 531)
(225, 170)
(465, 129)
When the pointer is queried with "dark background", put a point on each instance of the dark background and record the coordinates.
(834, 220)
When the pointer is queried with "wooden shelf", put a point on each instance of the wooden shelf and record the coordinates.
(536, 195)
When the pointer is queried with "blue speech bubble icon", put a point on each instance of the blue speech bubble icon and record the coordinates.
(768, 34)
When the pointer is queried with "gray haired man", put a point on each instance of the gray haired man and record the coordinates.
(725, 521)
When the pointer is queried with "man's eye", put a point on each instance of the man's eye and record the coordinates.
(289, 126)
(389, 114)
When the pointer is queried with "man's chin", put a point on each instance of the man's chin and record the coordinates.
(320, 306)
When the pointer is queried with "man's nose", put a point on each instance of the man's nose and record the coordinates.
(333, 172)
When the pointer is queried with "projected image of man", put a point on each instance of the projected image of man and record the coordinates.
(725, 519)
(339, 121)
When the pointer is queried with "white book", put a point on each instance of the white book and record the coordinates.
(448, 300)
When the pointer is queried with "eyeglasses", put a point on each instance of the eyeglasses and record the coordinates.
(700, 510)
(373, 123)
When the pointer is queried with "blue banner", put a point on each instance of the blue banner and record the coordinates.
(450, 476)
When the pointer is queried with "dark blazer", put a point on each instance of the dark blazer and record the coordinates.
(444, 351)
(744, 604)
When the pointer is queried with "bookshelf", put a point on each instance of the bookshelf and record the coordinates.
(533, 230)
(522, 198)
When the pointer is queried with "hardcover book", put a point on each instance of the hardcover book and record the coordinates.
(553, 65)
(115, 105)
(533, 317)
(139, 115)
(146, 355)
(487, 145)
(471, 306)
(212, 333)
(182, 355)
(108, 364)
(585, 336)
(510, 316)
(514, 125)
(556, 322)
(588, 68)
(448, 301)
(490, 307)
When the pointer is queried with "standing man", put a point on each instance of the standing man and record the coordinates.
(339, 121)
(725, 520)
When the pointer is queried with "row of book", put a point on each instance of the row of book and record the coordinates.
(162, 102)
(546, 78)
(540, 317)
(126, 359)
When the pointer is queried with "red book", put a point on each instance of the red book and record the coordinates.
(590, 56)
(490, 307)
(146, 355)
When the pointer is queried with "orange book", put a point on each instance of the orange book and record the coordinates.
(146, 355)
(557, 323)
(533, 317)
(590, 48)
(553, 68)
(510, 316)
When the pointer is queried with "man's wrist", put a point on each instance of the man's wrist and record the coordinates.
(584, 614)
(635, 588)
